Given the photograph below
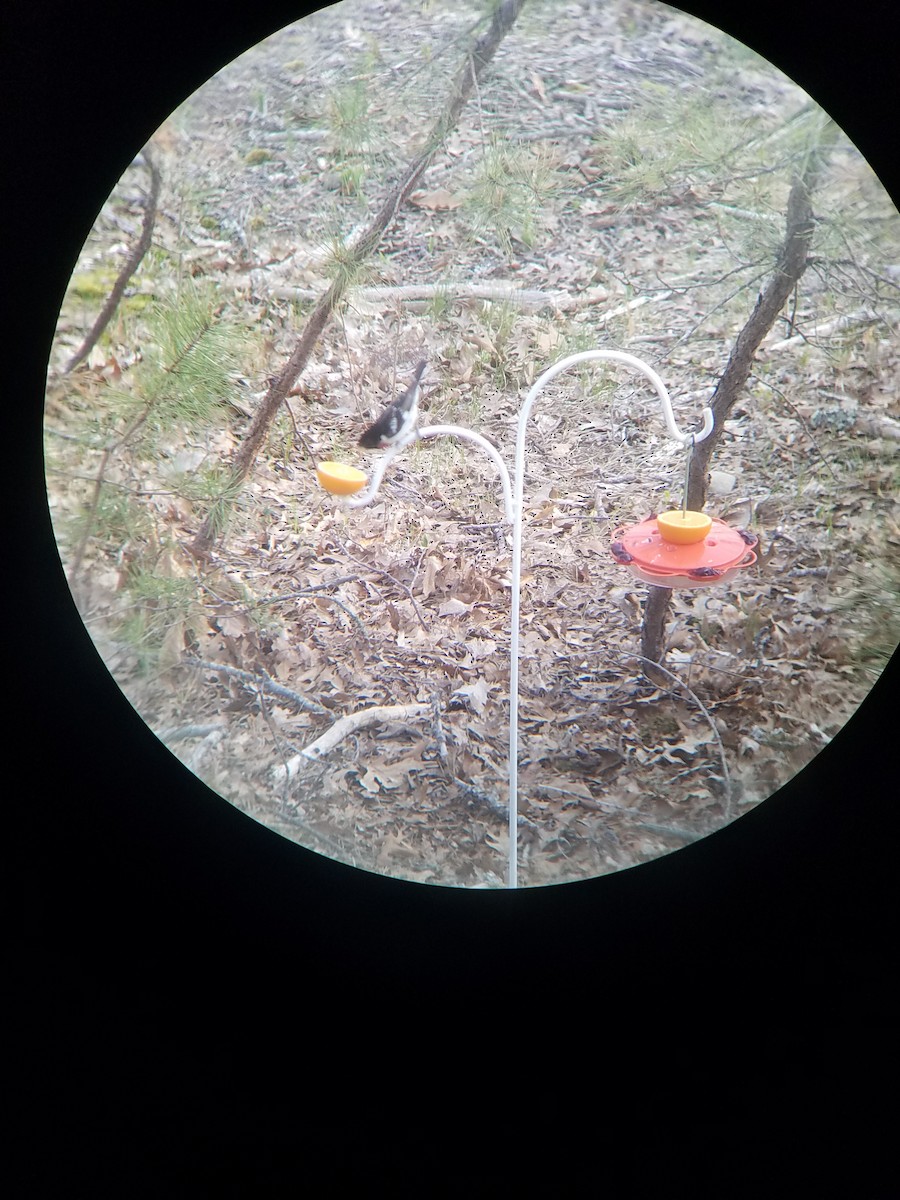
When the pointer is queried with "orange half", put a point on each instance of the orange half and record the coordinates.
(682, 528)
(339, 478)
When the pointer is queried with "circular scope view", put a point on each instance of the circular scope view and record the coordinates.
(357, 564)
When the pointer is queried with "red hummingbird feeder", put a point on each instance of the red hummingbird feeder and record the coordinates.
(683, 549)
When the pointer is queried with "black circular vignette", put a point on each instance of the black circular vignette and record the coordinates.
(162, 927)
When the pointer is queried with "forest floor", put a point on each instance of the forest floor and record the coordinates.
(633, 166)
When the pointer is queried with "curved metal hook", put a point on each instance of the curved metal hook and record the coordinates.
(458, 431)
(630, 361)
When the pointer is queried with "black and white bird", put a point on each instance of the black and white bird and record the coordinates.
(398, 419)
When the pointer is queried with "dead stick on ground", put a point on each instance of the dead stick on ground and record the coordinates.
(437, 725)
(412, 293)
(134, 261)
(344, 726)
(261, 680)
(476, 61)
(387, 297)
(797, 417)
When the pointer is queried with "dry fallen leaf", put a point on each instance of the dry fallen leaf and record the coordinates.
(475, 694)
(537, 87)
(439, 199)
(369, 781)
(453, 608)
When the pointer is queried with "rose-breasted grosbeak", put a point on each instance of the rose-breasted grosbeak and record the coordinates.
(398, 419)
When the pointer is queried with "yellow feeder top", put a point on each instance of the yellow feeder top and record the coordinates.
(340, 479)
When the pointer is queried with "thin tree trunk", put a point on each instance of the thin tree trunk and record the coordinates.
(131, 265)
(792, 262)
(476, 61)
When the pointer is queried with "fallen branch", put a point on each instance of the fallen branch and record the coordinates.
(260, 680)
(291, 817)
(336, 601)
(345, 608)
(490, 802)
(875, 425)
(437, 725)
(862, 316)
(355, 577)
(343, 727)
(132, 264)
(388, 297)
(639, 302)
(357, 253)
(182, 733)
(680, 835)
(592, 804)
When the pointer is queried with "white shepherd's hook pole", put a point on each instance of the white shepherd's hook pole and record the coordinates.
(686, 439)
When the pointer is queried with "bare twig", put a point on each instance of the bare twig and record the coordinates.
(591, 803)
(784, 400)
(355, 577)
(437, 725)
(315, 588)
(195, 759)
(490, 802)
(726, 778)
(420, 293)
(680, 835)
(131, 265)
(318, 587)
(257, 681)
(345, 608)
(182, 733)
(290, 816)
(862, 316)
(345, 726)
(393, 578)
(267, 717)
(108, 451)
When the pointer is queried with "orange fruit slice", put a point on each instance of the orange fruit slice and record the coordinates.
(683, 528)
(339, 478)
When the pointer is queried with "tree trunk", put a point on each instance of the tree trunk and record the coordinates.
(792, 260)
(476, 60)
(133, 262)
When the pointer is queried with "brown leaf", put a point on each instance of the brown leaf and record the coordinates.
(369, 781)
(440, 198)
(548, 340)
(432, 566)
(235, 625)
(475, 695)
(453, 608)
(481, 647)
